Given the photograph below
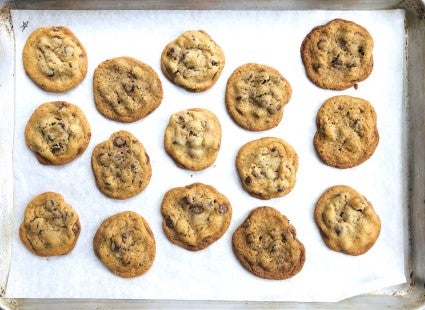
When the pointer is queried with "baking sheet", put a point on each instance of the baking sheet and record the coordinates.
(214, 273)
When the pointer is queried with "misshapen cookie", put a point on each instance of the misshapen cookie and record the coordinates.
(193, 61)
(192, 138)
(57, 132)
(267, 167)
(50, 227)
(347, 220)
(121, 166)
(337, 55)
(126, 89)
(256, 95)
(125, 244)
(267, 246)
(54, 59)
(195, 216)
(347, 133)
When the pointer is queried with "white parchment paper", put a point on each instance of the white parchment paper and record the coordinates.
(267, 37)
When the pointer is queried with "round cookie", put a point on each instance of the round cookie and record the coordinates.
(337, 55)
(57, 132)
(347, 221)
(192, 138)
(256, 95)
(54, 59)
(347, 133)
(193, 61)
(126, 89)
(50, 226)
(266, 245)
(195, 216)
(267, 167)
(121, 166)
(125, 244)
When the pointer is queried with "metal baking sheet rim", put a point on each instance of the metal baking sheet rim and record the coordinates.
(411, 295)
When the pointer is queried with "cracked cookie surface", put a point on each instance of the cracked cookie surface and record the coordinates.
(267, 167)
(50, 226)
(57, 132)
(347, 220)
(347, 133)
(195, 216)
(256, 95)
(337, 55)
(121, 166)
(125, 244)
(54, 59)
(192, 138)
(266, 245)
(193, 61)
(126, 89)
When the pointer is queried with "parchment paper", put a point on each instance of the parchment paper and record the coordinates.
(267, 37)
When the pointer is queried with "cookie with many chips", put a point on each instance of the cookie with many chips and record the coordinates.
(338, 55)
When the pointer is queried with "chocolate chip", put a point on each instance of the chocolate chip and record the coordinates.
(248, 180)
(336, 62)
(316, 67)
(361, 51)
(119, 142)
(214, 63)
(196, 208)
(170, 52)
(56, 148)
(222, 209)
(125, 235)
(338, 230)
(169, 222)
(75, 229)
(351, 65)
(238, 98)
(186, 200)
(115, 247)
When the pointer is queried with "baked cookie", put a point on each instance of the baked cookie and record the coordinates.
(50, 227)
(337, 55)
(54, 59)
(121, 166)
(126, 89)
(347, 133)
(57, 132)
(347, 221)
(267, 167)
(256, 95)
(267, 246)
(193, 61)
(125, 244)
(195, 216)
(192, 138)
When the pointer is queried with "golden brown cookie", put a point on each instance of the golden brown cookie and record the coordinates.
(54, 59)
(347, 221)
(121, 166)
(347, 133)
(267, 167)
(267, 246)
(193, 61)
(125, 244)
(337, 55)
(256, 95)
(195, 216)
(192, 138)
(50, 226)
(57, 132)
(126, 89)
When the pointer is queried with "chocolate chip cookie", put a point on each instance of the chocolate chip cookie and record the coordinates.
(347, 133)
(121, 166)
(50, 226)
(193, 61)
(126, 89)
(57, 132)
(54, 59)
(125, 244)
(267, 167)
(192, 138)
(267, 246)
(338, 55)
(256, 95)
(195, 216)
(347, 221)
